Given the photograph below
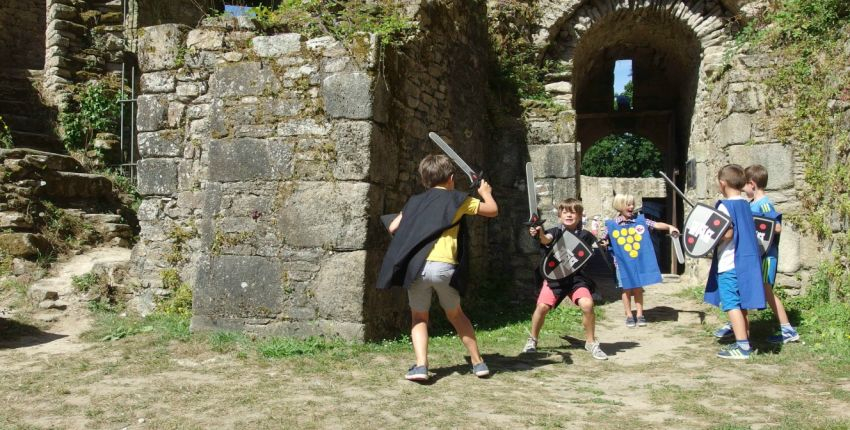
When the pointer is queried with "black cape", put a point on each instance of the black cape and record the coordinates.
(424, 218)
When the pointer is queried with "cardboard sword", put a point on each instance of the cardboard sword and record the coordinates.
(534, 219)
(474, 178)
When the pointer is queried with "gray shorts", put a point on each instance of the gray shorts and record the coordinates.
(435, 275)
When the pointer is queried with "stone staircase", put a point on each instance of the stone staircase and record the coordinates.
(28, 118)
(36, 183)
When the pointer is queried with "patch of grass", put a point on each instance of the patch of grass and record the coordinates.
(280, 347)
(85, 282)
(110, 325)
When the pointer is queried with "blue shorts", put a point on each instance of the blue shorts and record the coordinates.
(727, 286)
(768, 270)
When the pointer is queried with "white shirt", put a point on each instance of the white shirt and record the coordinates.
(726, 249)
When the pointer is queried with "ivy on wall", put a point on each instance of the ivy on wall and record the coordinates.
(811, 87)
(338, 18)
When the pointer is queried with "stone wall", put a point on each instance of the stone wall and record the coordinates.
(22, 25)
(268, 153)
(738, 128)
(85, 41)
(598, 198)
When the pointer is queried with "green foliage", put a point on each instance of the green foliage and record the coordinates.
(622, 156)
(85, 282)
(809, 39)
(518, 69)
(338, 18)
(124, 185)
(180, 301)
(95, 109)
(628, 93)
(62, 229)
(5, 135)
(280, 347)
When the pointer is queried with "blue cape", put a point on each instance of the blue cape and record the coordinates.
(632, 246)
(747, 259)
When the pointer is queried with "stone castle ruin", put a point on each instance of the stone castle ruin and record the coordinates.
(264, 161)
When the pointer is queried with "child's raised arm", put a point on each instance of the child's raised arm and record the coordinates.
(488, 207)
(666, 227)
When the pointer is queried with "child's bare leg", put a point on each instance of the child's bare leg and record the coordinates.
(588, 318)
(776, 305)
(638, 293)
(538, 318)
(739, 323)
(627, 302)
(419, 336)
(746, 321)
(466, 333)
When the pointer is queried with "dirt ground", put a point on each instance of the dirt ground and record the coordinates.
(664, 375)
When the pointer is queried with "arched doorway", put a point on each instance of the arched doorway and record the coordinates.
(671, 46)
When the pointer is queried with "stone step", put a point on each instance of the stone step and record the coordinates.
(24, 245)
(64, 186)
(102, 218)
(37, 141)
(29, 123)
(15, 221)
(18, 107)
(42, 159)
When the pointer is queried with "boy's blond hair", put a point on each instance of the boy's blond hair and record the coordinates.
(435, 169)
(623, 200)
(571, 205)
(758, 174)
(733, 175)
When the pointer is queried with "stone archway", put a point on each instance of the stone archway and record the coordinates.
(675, 46)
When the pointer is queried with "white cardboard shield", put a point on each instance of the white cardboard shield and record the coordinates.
(703, 230)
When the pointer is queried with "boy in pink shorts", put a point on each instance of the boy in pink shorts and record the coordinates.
(578, 286)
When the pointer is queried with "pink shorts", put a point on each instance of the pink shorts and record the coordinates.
(549, 297)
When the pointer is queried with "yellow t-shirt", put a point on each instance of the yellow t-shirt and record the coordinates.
(445, 249)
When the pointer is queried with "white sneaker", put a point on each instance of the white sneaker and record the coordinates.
(530, 345)
(595, 350)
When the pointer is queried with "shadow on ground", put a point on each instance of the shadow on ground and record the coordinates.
(666, 313)
(15, 334)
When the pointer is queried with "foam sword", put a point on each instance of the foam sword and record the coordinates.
(474, 178)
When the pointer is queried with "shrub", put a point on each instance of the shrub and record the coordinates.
(622, 156)
(5, 135)
(95, 109)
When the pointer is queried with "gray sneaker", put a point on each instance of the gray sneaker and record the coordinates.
(630, 322)
(417, 373)
(641, 321)
(530, 345)
(595, 350)
(480, 370)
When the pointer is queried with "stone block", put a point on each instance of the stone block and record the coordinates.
(789, 250)
(734, 130)
(776, 157)
(340, 285)
(25, 245)
(205, 39)
(157, 82)
(245, 159)
(242, 79)
(541, 133)
(239, 286)
(278, 45)
(152, 113)
(559, 87)
(159, 47)
(14, 220)
(553, 161)
(325, 215)
(157, 177)
(165, 143)
(348, 95)
(353, 149)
